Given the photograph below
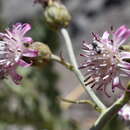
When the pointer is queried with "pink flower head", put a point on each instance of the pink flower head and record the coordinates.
(124, 112)
(104, 61)
(12, 49)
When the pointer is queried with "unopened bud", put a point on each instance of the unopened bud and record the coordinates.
(44, 53)
(57, 15)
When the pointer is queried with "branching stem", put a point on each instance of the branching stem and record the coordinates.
(80, 102)
(76, 70)
(109, 113)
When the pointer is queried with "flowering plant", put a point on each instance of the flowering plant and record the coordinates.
(12, 49)
(105, 62)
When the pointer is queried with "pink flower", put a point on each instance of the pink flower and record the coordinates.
(124, 112)
(12, 49)
(104, 61)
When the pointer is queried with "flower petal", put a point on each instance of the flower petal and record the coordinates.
(20, 28)
(124, 65)
(121, 35)
(126, 71)
(15, 77)
(120, 31)
(30, 53)
(125, 55)
(25, 28)
(27, 40)
(2, 35)
(115, 82)
(105, 36)
(16, 28)
(23, 63)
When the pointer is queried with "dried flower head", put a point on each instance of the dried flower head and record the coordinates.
(104, 61)
(12, 49)
(124, 112)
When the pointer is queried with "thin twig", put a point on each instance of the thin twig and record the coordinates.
(77, 101)
(73, 95)
(63, 62)
(70, 67)
(80, 102)
(76, 70)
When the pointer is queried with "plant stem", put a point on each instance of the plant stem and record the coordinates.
(71, 68)
(109, 113)
(80, 102)
(77, 101)
(76, 70)
(62, 61)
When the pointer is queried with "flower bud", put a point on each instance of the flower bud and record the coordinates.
(44, 53)
(57, 15)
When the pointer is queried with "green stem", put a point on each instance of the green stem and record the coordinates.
(77, 72)
(71, 68)
(62, 61)
(81, 102)
(109, 113)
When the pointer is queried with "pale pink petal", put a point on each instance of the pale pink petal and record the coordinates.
(27, 40)
(15, 77)
(124, 37)
(30, 53)
(83, 66)
(124, 112)
(125, 55)
(126, 34)
(9, 33)
(16, 28)
(83, 55)
(120, 31)
(124, 65)
(6, 37)
(115, 83)
(126, 71)
(21, 29)
(86, 46)
(105, 36)
(2, 35)
(121, 35)
(23, 63)
(16, 25)
(26, 28)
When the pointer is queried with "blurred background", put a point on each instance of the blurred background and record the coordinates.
(34, 105)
